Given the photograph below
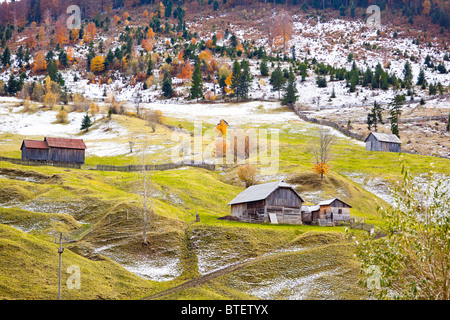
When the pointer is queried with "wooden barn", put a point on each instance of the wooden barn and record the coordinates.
(377, 141)
(263, 202)
(34, 150)
(54, 149)
(327, 211)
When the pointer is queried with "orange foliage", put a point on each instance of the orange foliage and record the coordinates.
(39, 63)
(186, 72)
(145, 14)
(205, 55)
(150, 33)
(148, 44)
(209, 43)
(320, 168)
(90, 33)
(60, 35)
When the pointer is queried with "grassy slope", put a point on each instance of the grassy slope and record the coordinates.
(100, 199)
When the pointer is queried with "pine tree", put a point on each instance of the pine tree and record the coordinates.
(291, 89)
(6, 57)
(407, 73)
(52, 69)
(235, 76)
(245, 79)
(197, 83)
(167, 87)
(264, 68)
(277, 80)
(421, 78)
(86, 123)
(448, 123)
(395, 112)
(150, 67)
(375, 116)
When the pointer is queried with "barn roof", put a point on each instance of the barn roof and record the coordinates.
(330, 201)
(65, 143)
(33, 144)
(260, 192)
(385, 137)
(310, 208)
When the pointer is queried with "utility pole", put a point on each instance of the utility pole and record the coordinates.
(60, 251)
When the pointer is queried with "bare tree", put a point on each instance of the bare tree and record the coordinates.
(321, 148)
(284, 25)
(269, 29)
(145, 180)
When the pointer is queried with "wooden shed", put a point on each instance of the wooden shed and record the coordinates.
(333, 210)
(256, 203)
(54, 149)
(377, 141)
(34, 150)
(67, 150)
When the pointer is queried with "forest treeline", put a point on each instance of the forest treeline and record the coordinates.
(23, 12)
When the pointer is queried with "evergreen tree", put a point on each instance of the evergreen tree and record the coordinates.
(448, 123)
(215, 5)
(244, 79)
(291, 89)
(421, 78)
(264, 68)
(197, 83)
(432, 89)
(407, 73)
(150, 67)
(109, 59)
(235, 76)
(52, 70)
(395, 112)
(86, 123)
(62, 57)
(6, 57)
(367, 77)
(167, 87)
(374, 117)
(222, 84)
(277, 80)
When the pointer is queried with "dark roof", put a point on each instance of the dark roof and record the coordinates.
(385, 137)
(65, 143)
(330, 201)
(260, 192)
(33, 144)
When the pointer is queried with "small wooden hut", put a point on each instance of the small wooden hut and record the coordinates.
(34, 150)
(377, 141)
(257, 203)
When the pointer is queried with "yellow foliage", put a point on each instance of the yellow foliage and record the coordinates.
(98, 64)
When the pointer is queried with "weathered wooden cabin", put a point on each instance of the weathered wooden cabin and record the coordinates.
(334, 210)
(377, 141)
(34, 150)
(54, 149)
(257, 203)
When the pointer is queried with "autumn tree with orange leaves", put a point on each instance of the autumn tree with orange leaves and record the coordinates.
(39, 63)
(321, 149)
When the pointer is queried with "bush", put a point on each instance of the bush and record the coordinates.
(62, 117)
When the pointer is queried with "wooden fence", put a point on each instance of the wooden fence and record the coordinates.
(360, 224)
(334, 125)
(42, 163)
(155, 167)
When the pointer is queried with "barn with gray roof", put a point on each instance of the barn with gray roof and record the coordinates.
(377, 141)
(257, 203)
